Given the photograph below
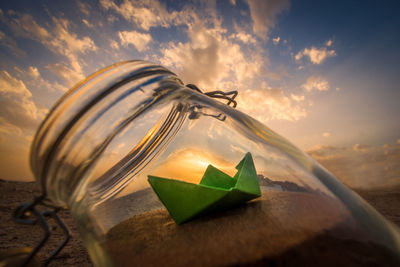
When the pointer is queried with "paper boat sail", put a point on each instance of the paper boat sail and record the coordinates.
(216, 191)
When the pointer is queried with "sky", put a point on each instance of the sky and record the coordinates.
(323, 74)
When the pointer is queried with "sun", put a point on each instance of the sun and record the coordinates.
(189, 165)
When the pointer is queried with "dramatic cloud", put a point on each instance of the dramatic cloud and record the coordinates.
(11, 86)
(70, 76)
(16, 104)
(315, 83)
(24, 25)
(32, 78)
(316, 55)
(137, 39)
(268, 104)
(374, 167)
(210, 58)
(68, 44)
(264, 13)
(59, 39)
(145, 14)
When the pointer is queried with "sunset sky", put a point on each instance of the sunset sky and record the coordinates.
(324, 74)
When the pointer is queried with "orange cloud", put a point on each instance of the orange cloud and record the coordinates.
(315, 83)
(146, 14)
(70, 76)
(270, 103)
(375, 167)
(17, 106)
(59, 39)
(276, 40)
(137, 39)
(316, 55)
(211, 58)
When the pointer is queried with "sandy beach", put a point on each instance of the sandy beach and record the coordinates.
(243, 243)
(273, 230)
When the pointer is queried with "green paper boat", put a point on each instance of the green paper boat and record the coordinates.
(216, 191)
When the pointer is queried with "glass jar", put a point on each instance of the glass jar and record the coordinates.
(98, 145)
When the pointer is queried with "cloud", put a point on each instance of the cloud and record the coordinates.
(214, 59)
(68, 44)
(268, 104)
(210, 58)
(87, 23)
(325, 151)
(33, 72)
(329, 43)
(19, 117)
(84, 7)
(70, 76)
(16, 104)
(139, 40)
(10, 44)
(244, 37)
(34, 80)
(297, 98)
(59, 39)
(315, 83)
(375, 167)
(276, 40)
(24, 25)
(145, 14)
(8, 128)
(11, 86)
(316, 55)
(263, 14)
(114, 44)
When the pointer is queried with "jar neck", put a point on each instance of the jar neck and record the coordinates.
(82, 125)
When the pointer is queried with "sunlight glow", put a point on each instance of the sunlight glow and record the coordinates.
(189, 165)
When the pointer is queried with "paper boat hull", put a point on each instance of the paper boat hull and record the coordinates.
(216, 191)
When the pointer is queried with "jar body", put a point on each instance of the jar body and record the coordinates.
(177, 134)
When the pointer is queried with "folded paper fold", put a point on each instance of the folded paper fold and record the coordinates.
(216, 191)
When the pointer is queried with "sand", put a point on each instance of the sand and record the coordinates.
(319, 246)
(279, 229)
(14, 235)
